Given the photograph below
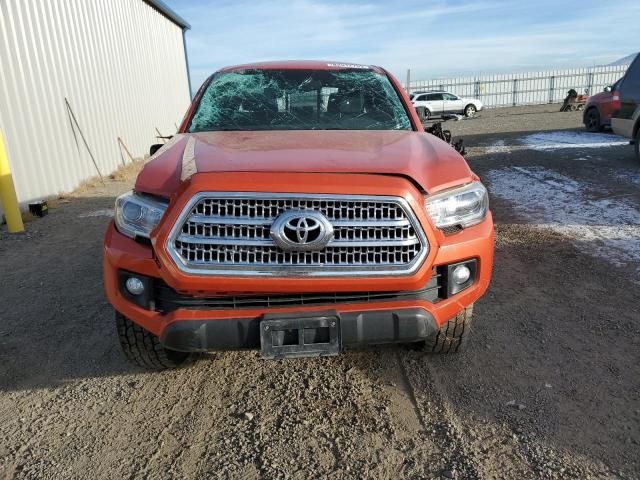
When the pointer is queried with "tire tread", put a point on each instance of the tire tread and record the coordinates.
(144, 349)
(453, 335)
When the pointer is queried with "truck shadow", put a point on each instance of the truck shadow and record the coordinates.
(56, 324)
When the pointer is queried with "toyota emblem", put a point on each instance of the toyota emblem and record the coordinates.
(301, 230)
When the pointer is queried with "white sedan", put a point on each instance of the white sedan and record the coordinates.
(437, 103)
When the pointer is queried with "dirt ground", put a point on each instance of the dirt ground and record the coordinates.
(549, 387)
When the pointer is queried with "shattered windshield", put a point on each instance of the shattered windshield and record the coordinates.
(300, 100)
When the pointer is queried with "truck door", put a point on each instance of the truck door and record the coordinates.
(624, 120)
(435, 103)
(452, 104)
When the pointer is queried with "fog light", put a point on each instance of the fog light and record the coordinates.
(461, 274)
(134, 286)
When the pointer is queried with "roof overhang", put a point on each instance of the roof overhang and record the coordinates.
(162, 7)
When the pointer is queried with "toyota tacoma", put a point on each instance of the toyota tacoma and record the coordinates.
(300, 210)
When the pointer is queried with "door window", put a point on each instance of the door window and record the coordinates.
(631, 82)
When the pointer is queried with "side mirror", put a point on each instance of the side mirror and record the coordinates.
(607, 88)
(154, 148)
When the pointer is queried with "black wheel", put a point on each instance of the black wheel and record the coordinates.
(592, 120)
(469, 110)
(453, 335)
(424, 114)
(144, 349)
(636, 145)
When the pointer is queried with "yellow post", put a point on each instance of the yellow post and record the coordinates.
(8, 196)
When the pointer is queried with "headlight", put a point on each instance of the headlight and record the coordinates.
(137, 215)
(464, 206)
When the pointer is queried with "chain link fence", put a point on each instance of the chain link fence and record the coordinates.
(528, 88)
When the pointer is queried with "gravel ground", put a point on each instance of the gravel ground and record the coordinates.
(548, 388)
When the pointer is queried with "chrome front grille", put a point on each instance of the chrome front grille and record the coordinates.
(226, 233)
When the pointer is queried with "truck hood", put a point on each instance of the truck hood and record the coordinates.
(426, 160)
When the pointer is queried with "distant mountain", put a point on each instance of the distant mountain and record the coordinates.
(625, 60)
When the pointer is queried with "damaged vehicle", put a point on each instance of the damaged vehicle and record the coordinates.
(301, 210)
(599, 107)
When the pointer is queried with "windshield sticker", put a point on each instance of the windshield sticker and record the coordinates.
(348, 65)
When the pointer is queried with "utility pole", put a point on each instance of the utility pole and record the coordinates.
(408, 80)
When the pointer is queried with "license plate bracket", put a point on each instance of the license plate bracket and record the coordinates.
(300, 335)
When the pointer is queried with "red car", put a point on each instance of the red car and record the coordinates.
(300, 210)
(599, 107)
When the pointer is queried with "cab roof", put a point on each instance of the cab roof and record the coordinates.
(302, 65)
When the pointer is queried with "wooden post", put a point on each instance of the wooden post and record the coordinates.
(164, 140)
(72, 116)
(125, 149)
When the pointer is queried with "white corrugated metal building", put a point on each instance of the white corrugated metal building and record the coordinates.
(122, 66)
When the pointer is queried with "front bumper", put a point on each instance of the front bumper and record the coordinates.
(405, 325)
(397, 320)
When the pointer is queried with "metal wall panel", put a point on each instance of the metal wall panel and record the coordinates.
(528, 88)
(120, 63)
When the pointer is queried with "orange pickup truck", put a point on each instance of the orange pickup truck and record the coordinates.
(301, 210)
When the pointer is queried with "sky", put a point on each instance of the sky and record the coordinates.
(433, 38)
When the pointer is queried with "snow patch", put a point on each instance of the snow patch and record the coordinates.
(97, 213)
(498, 147)
(558, 140)
(546, 141)
(606, 228)
(628, 176)
(453, 116)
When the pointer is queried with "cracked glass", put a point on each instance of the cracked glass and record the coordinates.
(256, 99)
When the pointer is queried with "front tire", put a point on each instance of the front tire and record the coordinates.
(142, 348)
(636, 145)
(592, 120)
(470, 111)
(453, 335)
